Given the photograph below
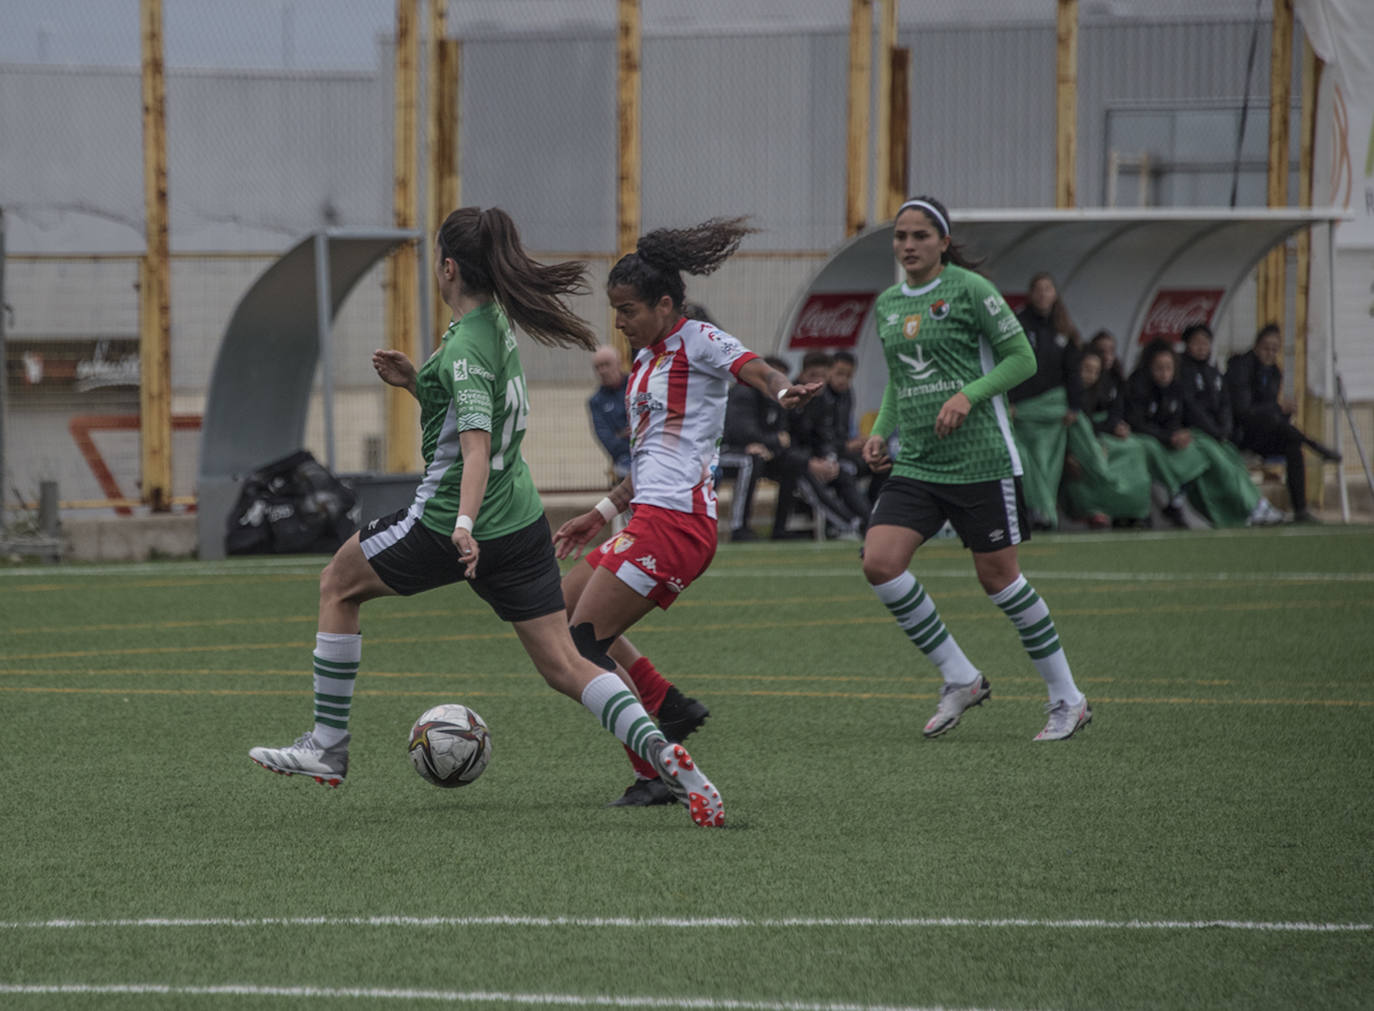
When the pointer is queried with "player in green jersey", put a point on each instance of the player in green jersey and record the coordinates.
(953, 348)
(476, 515)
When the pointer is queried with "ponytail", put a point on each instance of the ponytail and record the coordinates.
(656, 266)
(492, 261)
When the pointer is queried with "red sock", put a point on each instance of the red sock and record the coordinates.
(643, 769)
(651, 684)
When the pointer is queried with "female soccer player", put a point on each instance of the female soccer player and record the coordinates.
(953, 348)
(476, 514)
(677, 391)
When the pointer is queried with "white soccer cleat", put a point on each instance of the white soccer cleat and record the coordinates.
(954, 699)
(307, 758)
(690, 786)
(1064, 720)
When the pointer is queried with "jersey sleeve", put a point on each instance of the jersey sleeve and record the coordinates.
(716, 352)
(995, 320)
(471, 382)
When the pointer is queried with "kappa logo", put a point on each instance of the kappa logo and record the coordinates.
(992, 304)
(920, 368)
(939, 309)
(647, 562)
(460, 370)
(911, 326)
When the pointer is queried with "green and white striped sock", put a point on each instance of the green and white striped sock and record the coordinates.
(621, 713)
(916, 614)
(1031, 616)
(336, 669)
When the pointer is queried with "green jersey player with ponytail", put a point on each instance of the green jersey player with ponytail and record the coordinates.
(953, 348)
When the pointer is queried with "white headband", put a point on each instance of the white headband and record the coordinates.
(931, 210)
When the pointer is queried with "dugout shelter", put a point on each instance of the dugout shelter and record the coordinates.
(1138, 273)
(259, 393)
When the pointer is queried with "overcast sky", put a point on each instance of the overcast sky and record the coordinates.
(342, 34)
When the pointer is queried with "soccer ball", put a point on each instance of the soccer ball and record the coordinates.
(450, 745)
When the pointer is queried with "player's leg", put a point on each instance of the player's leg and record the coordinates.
(391, 555)
(678, 715)
(566, 667)
(904, 516)
(999, 573)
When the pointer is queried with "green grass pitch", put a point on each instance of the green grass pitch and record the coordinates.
(1205, 843)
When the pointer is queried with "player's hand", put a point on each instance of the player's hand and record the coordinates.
(394, 368)
(952, 415)
(467, 550)
(573, 535)
(875, 454)
(795, 396)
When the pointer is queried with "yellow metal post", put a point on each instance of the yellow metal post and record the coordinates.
(1311, 411)
(402, 284)
(860, 99)
(154, 304)
(1066, 106)
(442, 139)
(1273, 272)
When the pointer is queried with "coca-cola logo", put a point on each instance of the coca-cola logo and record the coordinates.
(1175, 309)
(831, 319)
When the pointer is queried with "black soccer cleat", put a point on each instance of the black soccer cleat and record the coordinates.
(680, 715)
(645, 793)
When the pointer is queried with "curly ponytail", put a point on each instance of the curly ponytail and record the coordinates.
(656, 266)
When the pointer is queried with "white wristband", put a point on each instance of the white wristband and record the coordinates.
(463, 523)
(607, 509)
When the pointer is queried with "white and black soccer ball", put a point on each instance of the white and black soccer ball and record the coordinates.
(450, 745)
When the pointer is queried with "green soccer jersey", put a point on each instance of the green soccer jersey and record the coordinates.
(938, 339)
(475, 381)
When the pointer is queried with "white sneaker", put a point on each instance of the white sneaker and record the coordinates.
(690, 786)
(954, 699)
(1064, 720)
(307, 758)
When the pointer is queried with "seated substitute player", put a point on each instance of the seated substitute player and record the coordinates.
(681, 373)
(476, 514)
(941, 329)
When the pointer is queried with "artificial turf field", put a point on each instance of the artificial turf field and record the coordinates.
(1206, 843)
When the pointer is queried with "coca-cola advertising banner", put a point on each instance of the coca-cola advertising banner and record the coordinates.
(1176, 308)
(831, 319)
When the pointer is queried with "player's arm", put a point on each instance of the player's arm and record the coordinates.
(573, 536)
(394, 368)
(475, 446)
(875, 446)
(774, 385)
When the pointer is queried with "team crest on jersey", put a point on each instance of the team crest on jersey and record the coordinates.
(460, 370)
(939, 309)
(620, 543)
(911, 326)
(510, 341)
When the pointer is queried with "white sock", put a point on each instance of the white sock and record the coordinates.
(1031, 616)
(915, 613)
(336, 669)
(623, 715)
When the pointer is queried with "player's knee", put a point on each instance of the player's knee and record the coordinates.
(593, 649)
(879, 570)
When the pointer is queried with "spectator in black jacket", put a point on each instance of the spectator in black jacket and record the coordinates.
(1263, 415)
(1104, 398)
(755, 444)
(1056, 343)
(1209, 403)
(825, 485)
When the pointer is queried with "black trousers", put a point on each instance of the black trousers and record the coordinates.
(1268, 435)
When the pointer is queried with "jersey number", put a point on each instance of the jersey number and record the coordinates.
(517, 413)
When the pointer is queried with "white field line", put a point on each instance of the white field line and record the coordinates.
(717, 922)
(447, 996)
(760, 571)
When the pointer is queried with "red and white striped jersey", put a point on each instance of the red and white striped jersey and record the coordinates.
(676, 403)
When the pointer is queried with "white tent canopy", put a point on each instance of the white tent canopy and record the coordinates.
(1136, 273)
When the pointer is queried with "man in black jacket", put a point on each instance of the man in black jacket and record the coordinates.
(756, 444)
(1263, 416)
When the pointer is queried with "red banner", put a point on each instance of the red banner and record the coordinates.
(1174, 309)
(831, 319)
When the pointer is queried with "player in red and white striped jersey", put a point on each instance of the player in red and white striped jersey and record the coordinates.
(682, 372)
